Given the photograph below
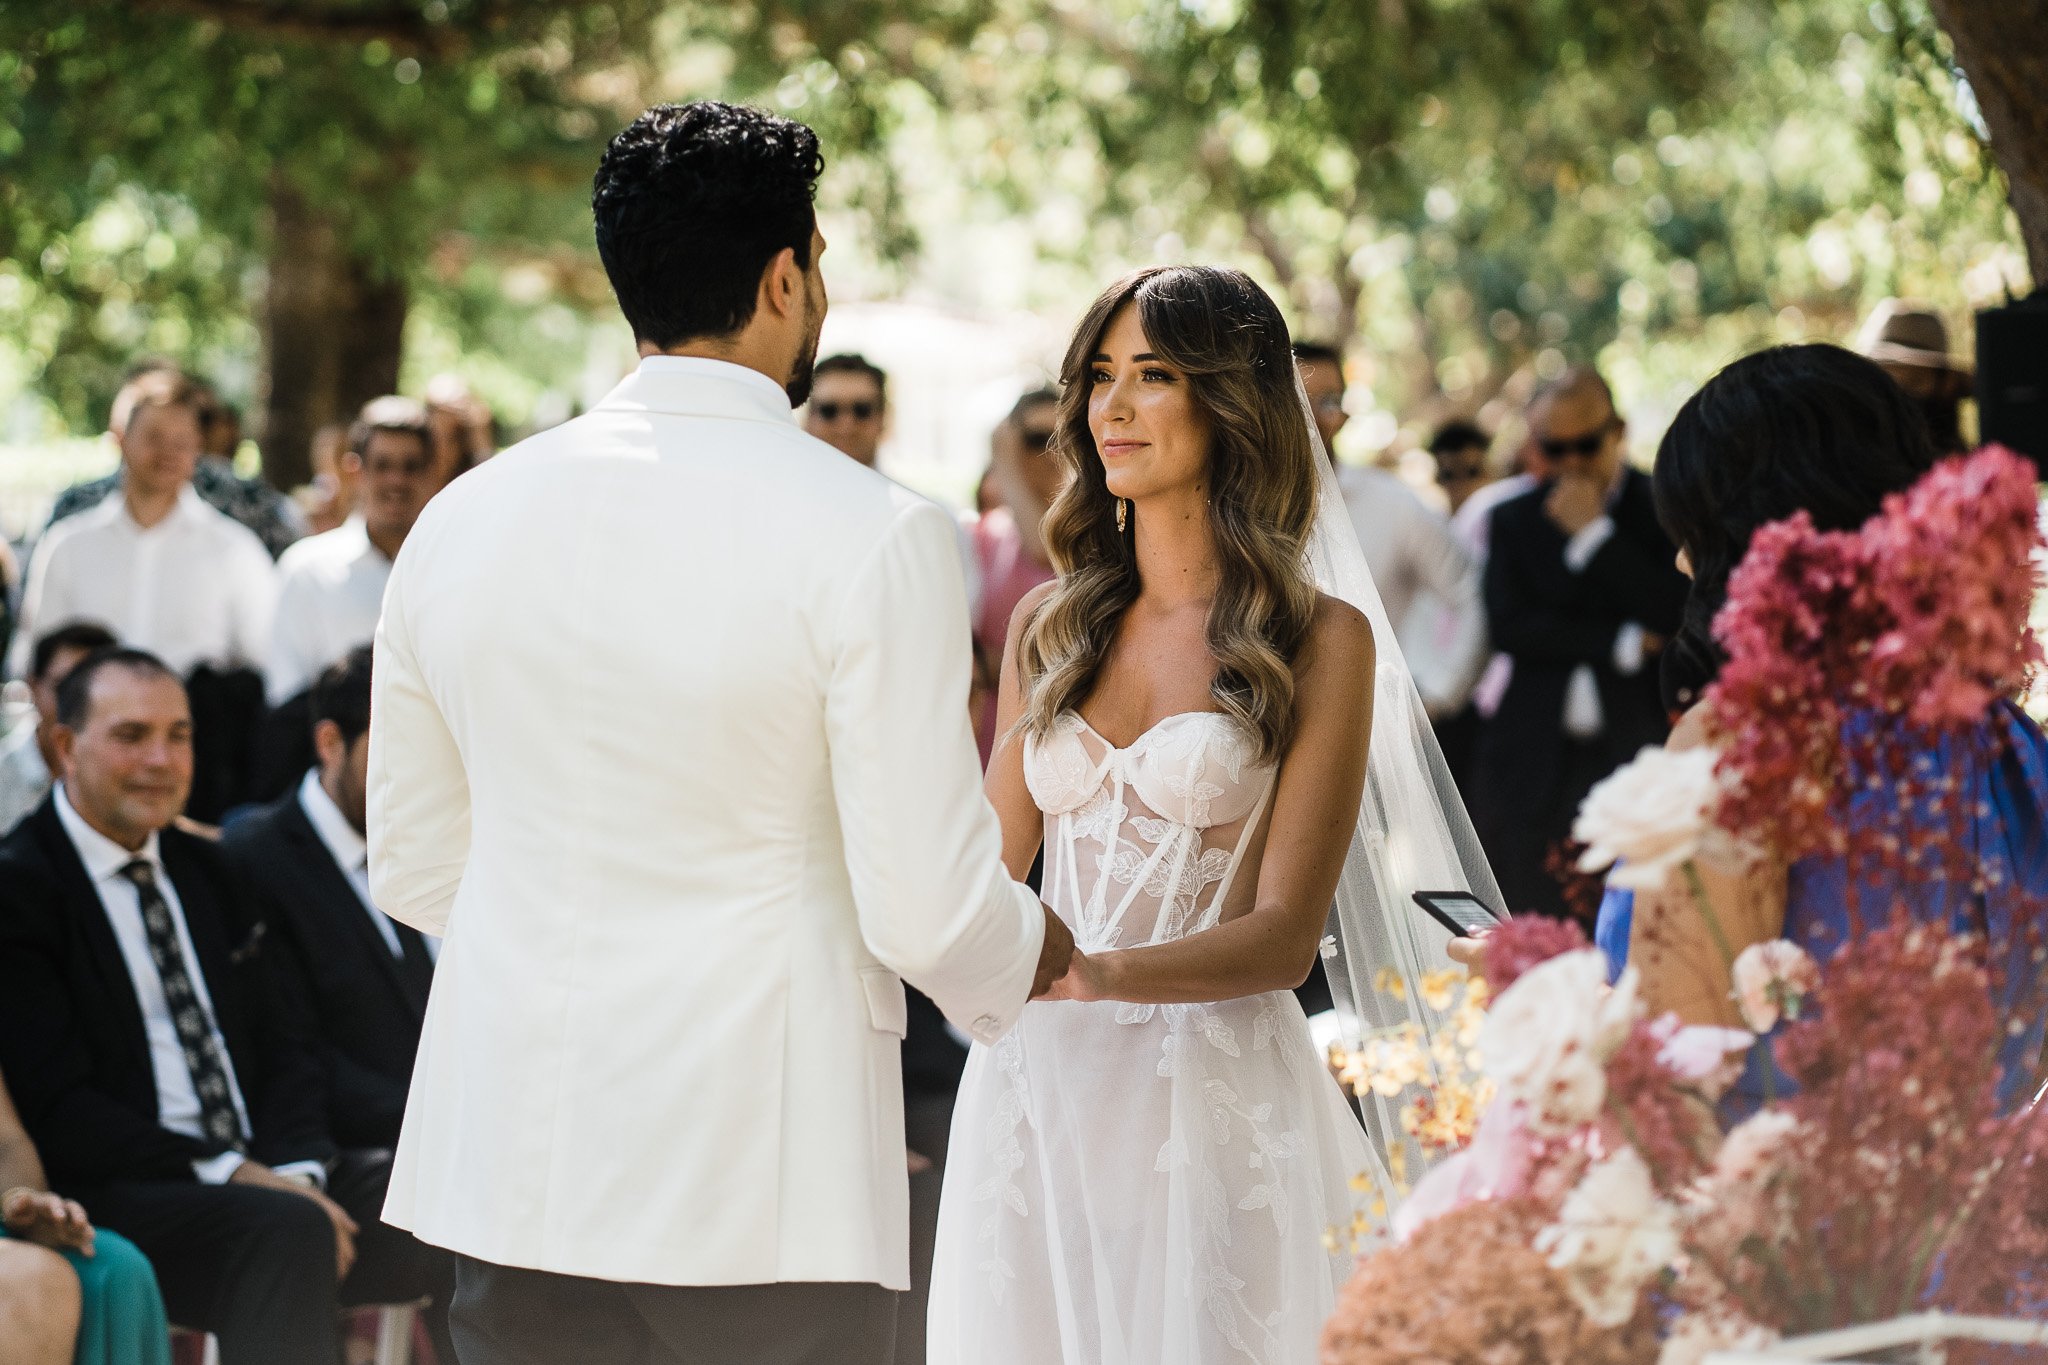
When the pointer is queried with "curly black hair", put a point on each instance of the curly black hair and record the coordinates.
(691, 203)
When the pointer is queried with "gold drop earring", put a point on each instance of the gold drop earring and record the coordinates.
(1123, 514)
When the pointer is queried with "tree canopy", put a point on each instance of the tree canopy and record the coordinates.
(1475, 190)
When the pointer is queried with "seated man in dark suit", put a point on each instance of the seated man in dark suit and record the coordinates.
(152, 1058)
(361, 976)
(1582, 591)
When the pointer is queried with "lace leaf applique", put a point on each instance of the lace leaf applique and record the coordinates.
(1154, 831)
(1101, 818)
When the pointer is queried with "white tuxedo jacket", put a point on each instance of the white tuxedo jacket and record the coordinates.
(670, 738)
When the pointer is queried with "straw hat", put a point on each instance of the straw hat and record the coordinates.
(1901, 333)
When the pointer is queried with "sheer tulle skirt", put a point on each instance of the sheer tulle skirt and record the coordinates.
(1146, 1185)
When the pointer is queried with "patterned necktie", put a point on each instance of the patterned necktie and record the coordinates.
(219, 1122)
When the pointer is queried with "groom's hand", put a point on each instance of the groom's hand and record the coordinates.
(1054, 956)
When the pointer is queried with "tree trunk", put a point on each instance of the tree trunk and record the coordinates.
(2002, 47)
(332, 331)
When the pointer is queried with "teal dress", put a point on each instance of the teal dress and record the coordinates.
(122, 1321)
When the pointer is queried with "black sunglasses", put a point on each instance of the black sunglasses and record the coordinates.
(861, 409)
(1586, 445)
(1036, 440)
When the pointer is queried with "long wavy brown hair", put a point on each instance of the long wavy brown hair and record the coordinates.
(1220, 330)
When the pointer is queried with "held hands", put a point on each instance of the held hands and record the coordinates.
(1054, 956)
(345, 1229)
(47, 1220)
(1087, 978)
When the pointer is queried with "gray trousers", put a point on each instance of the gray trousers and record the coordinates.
(507, 1316)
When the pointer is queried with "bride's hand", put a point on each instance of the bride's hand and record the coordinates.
(1087, 978)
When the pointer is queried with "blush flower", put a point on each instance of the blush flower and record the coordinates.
(1652, 816)
(1708, 1058)
(1773, 979)
(1612, 1236)
(1547, 1038)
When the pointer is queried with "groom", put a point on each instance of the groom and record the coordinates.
(688, 794)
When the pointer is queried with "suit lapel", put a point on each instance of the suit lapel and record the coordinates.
(82, 901)
(338, 900)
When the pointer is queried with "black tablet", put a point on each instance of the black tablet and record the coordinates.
(1461, 912)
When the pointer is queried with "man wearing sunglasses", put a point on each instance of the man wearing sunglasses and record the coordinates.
(849, 399)
(1582, 590)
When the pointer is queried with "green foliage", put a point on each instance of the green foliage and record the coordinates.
(1476, 190)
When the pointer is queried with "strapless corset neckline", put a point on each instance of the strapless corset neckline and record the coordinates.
(1193, 768)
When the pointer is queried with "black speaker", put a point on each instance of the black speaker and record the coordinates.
(2012, 377)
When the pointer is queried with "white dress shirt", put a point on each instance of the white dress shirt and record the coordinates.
(195, 588)
(330, 589)
(24, 777)
(1427, 581)
(177, 1102)
(351, 853)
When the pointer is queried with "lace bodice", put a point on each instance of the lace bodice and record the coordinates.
(1143, 843)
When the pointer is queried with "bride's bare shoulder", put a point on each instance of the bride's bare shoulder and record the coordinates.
(1339, 646)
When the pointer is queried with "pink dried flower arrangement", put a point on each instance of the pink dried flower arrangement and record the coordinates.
(1524, 942)
(1470, 1286)
(1914, 618)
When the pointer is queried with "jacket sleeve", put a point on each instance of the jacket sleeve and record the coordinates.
(84, 1134)
(923, 847)
(419, 788)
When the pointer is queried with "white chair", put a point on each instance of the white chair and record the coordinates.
(394, 1335)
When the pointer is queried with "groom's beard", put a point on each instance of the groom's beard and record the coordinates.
(799, 386)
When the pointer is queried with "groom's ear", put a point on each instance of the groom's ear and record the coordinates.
(782, 285)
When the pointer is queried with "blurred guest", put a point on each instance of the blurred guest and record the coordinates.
(328, 499)
(10, 590)
(848, 410)
(70, 1293)
(1009, 544)
(1909, 342)
(1409, 548)
(155, 564)
(849, 406)
(148, 1046)
(1582, 596)
(331, 586)
(274, 518)
(29, 756)
(464, 434)
(360, 978)
(988, 492)
(1460, 450)
(1438, 628)
(1582, 592)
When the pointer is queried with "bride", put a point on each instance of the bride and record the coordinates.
(1155, 1165)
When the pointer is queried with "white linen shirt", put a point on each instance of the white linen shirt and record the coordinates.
(24, 777)
(1428, 582)
(196, 588)
(177, 1102)
(330, 589)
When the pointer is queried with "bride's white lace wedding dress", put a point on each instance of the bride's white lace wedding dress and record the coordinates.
(1146, 1184)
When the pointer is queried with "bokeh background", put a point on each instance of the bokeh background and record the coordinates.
(315, 201)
